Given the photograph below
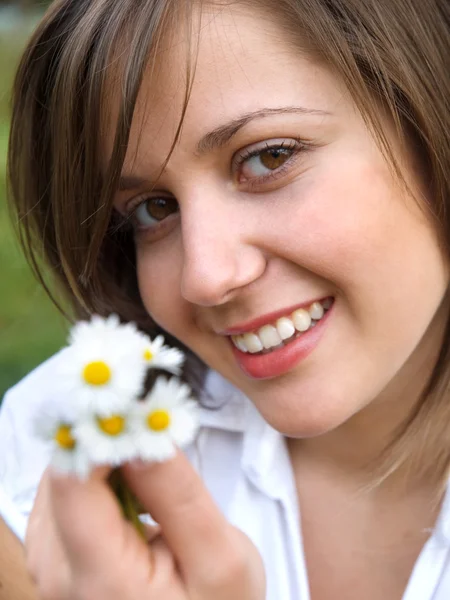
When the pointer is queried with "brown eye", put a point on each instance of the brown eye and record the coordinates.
(160, 208)
(274, 157)
(154, 210)
(264, 161)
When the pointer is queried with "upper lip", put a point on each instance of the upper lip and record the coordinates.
(267, 319)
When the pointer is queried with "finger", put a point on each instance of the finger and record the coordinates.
(166, 582)
(45, 556)
(90, 523)
(195, 529)
(151, 532)
(41, 513)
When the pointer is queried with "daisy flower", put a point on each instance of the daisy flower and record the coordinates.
(167, 417)
(103, 367)
(55, 423)
(97, 417)
(157, 355)
(107, 440)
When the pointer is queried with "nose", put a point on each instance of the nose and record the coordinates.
(219, 256)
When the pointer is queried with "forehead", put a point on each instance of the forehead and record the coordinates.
(240, 62)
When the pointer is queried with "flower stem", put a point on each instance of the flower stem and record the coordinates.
(129, 504)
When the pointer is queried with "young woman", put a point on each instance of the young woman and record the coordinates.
(268, 184)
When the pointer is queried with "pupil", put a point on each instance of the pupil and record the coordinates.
(273, 159)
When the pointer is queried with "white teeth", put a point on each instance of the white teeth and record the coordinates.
(252, 342)
(285, 328)
(272, 336)
(269, 336)
(316, 311)
(239, 342)
(301, 319)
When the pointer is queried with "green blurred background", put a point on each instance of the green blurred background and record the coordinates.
(31, 329)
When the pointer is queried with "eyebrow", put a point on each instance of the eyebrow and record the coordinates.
(220, 136)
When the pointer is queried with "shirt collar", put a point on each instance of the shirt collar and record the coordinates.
(265, 459)
(222, 405)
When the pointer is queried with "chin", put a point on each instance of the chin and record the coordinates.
(305, 421)
(302, 428)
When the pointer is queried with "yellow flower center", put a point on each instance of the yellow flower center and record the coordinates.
(63, 437)
(158, 420)
(112, 425)
(97, 373)
(148, 355)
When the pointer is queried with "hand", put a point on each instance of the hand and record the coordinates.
(79, 547)
(15, 582)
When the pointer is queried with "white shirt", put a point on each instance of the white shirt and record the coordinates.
(244, 464)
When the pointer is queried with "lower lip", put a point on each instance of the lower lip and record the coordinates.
(282, 360)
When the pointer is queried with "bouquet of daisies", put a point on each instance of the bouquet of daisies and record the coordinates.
(102, 416)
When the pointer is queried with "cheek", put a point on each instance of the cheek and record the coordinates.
(380, 237)
(351, 225)
(391, 268)
(158, 272)
(331, 222)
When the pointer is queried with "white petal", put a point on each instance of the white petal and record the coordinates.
(74, 462)
(184, 426)
(155, 447)
(105, 402)
(52, 412)
(171, 360)
(164, 394)
(63, 461)
(157, 343)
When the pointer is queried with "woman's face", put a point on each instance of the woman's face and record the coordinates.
(276, 197)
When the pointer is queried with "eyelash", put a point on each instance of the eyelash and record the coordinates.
(294, 145)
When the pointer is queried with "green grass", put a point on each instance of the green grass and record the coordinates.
(31, 329)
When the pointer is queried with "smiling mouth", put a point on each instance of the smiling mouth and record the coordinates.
(283, 331)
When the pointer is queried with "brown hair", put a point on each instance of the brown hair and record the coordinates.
(390, 54)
